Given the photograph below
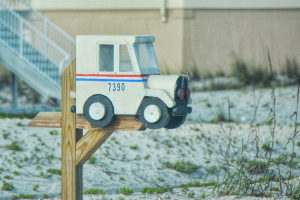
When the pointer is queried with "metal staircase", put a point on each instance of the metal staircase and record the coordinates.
(33, 47)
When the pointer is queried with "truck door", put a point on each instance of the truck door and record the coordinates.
(125, 81)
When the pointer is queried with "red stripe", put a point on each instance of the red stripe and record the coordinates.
(106, 75)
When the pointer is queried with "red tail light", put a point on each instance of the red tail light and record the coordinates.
(188, 94)
(180, 93)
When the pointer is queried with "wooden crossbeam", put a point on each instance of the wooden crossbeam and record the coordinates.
(89, 143)
(92, 139)
(121, 122)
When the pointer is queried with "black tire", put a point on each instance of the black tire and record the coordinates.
(175, 122)
(164, 119)
(109, 109)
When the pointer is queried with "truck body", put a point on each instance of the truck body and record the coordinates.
(123, 71)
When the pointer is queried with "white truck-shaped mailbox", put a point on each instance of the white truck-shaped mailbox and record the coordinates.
(119, 75)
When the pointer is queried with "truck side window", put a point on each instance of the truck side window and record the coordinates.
(125, 62)
(106, 57)
(145, 55)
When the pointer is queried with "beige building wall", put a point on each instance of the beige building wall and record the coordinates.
(205, 34)
(211, 37)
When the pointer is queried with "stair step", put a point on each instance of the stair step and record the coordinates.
(8, 34)
(26, 51)
(39, 61)
(11, 42)
(34, 56)
(4, 29)
(29, 50)
(16, 47)
(45, 67)
(9, 37)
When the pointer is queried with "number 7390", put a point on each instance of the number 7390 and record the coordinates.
(116, 86)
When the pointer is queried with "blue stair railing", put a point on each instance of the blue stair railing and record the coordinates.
(35, 39)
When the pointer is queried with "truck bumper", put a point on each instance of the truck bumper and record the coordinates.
(181, 110)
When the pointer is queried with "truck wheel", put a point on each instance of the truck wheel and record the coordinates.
(153, 113)
(175, 122)
(98, 110)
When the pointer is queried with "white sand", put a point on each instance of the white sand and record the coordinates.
(199, 143)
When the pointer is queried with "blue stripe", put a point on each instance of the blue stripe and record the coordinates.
(110, 80)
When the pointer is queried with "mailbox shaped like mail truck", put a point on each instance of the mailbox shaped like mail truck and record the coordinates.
(119, 75)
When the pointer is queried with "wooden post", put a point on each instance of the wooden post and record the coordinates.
(79, 175)
(68, 135)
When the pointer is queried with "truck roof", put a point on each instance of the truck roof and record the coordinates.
(118, 38)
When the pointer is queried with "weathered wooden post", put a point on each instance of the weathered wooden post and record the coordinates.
(75, 148)
(79, 171)
(68, 134)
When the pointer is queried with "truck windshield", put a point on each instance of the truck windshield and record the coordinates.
(146, 58)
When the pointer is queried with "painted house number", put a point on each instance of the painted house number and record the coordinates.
(116, 86)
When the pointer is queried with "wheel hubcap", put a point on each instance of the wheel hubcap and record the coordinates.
(152, 113)
(97, 111)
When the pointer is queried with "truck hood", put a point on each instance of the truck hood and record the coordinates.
(163, 82)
